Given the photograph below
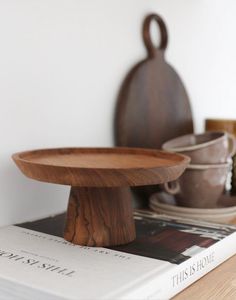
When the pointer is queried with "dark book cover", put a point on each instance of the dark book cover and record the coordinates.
(160, 237)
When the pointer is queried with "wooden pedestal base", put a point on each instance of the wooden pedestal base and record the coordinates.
(100, 204)
(100, 217)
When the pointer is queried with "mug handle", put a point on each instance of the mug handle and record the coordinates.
(172, 187)
(232, 144)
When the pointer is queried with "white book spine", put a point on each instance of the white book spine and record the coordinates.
(177, 279)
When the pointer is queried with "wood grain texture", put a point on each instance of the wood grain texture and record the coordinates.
(100, 217)
(101, 167)
(219, 284)
(152, 105)
(99, 213)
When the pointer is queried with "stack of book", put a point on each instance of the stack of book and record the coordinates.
(168, 255)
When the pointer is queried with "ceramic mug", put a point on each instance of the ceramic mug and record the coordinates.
(200, 186)
(212, 147)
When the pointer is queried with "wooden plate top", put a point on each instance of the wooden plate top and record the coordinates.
(100, 158)
(100, 166)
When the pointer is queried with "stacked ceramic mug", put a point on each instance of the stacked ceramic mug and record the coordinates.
(203, 182)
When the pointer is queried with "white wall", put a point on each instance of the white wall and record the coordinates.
(61, 64)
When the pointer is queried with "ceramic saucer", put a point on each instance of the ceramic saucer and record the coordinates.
(225, 212)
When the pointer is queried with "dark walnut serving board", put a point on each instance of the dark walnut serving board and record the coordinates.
(153, 105)
(100, 210)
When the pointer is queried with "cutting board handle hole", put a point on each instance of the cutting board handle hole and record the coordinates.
(147, 34)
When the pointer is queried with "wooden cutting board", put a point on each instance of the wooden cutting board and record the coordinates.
(153, 105)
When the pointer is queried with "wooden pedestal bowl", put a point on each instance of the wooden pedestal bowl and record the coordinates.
(100, 205)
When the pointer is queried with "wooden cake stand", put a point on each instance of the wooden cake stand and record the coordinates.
(100, 204)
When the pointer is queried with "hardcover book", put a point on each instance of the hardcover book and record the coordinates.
(168, 255)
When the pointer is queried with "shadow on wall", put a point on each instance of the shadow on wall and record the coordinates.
(25, 199)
